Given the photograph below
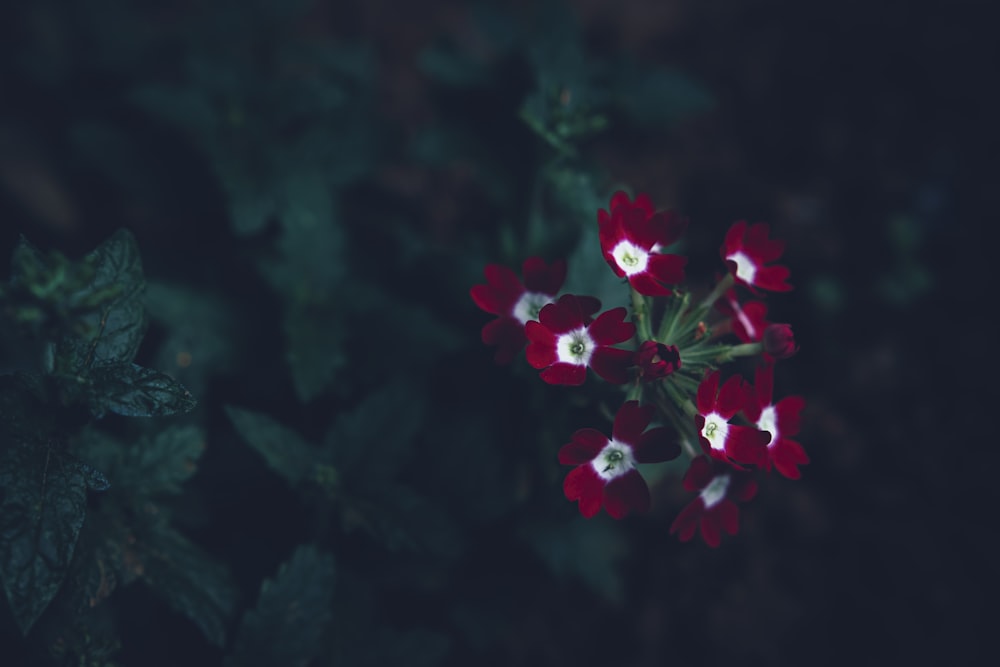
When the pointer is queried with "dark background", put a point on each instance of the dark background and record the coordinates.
(862, 131)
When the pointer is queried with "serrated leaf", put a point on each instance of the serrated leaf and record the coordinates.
(413, 648)
(113, 329)
(370, 443)
(314, 333)
(587, 550)
(162, 463)
(189, 580)
(134, 391)
(284, 450)
(202, 333)
(400, 518)
(44, 506)
(292, 614)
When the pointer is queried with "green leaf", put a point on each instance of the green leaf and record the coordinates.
(654, 97)
(189, 580)
(589, 273)
(400, 518)
(44, 506)
(202, 334)
(284, 450)
(114, 329)
(47, 293)
(314, 333)
(134, 391)
(25, 415)
(371, 443)
(292, 614)
(162, 463)
(587, 550)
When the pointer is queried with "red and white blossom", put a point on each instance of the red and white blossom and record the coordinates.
(719, 438)
(781, 420)
(632, 237)
(515, 303)
(566, 340)
(779, 341)
(656, 360)
(748, 252)
(605, 474)
(720, 486)
(748, 319)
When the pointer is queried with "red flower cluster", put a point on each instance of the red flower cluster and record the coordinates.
(671, 375)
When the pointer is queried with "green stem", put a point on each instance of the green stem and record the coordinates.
(670, 320)
(742, 350)
(720, 288)
(640, 312)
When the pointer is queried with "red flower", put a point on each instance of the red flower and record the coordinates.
(747, 250)
(605, 474)
(516, 304)
(566, 340)
(632, 236)
(720, 439)
(749, 320)
(779, 341)
(656, 360)
(781, 421)
(714, 510)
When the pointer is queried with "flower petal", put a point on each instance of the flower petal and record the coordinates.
(611, 364)
(583, 484)
(585, 445)
(626, 493)
(656, 445)
(567, 374)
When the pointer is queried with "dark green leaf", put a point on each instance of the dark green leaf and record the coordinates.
(655, 97)
(44, 506)
(162, 463)
(371, 443)
(189, 580)
(134, 391)
(114, 328)
(315, 337)
(24, 414)
(292, 614)
(283, 449)
(589, 273)
(587, 550)
(202, 334)
(413, 648)
(402, 519)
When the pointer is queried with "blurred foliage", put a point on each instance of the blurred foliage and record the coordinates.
(355, 469)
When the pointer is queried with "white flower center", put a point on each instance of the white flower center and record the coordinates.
(746, 270)
(613, 461)
(715, 430)
(575, 347)
(630, 258)
(744, 320)
(769, 422)
(529, 305)
(713, 494)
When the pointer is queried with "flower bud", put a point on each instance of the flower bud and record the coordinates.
(656, 360)
(779, 341)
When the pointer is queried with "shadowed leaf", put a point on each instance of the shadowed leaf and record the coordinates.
(292, 614)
